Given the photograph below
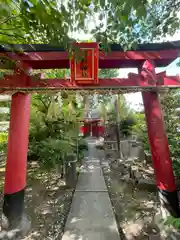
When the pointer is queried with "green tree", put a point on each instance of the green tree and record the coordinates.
(170, 102)
(122, 109)
(54, 126)
(108, 73)
(126, 126)
(54, 130)
(140, 129)
(5, 116)
(55, 22)
(111, 110)
(171, 109)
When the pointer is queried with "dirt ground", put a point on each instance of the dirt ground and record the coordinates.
(134, 209)
(47, 203)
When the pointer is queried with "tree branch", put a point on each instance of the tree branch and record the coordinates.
(174, 4)
(46, 106)
(9, 18)
(10, 35)
(9, 29)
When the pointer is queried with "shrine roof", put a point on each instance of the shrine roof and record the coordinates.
(113, 47)
(44, 56)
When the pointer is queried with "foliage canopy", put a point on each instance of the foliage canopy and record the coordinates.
(60, 22)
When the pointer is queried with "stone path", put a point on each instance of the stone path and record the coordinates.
(91, 216)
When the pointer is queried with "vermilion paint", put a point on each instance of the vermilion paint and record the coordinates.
(11, 83)
(85, 71)
(156, 131)
(111, 59)
(158, 142)
(15, 176)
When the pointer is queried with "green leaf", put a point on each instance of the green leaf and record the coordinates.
(141, 11)
(49, 22)
(102, 3)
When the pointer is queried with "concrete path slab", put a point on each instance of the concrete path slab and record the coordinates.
(91, 216)
(91, 178)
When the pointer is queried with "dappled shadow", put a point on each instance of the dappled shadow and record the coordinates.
(2, 175)
(47, 203)
(95, 233)
(134, 209)
(91, 215)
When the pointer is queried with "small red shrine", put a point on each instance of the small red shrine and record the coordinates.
(92, 127)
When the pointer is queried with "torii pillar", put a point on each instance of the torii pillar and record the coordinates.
(159, 145)
(16, 164)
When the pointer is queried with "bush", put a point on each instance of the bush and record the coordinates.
(126, 126)
(172, 221)
(82, 145)
(3, 141)
(3, 137)
(50, 152)
(140, 131)
(53, 132)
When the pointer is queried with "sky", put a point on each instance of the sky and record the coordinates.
(135, 99)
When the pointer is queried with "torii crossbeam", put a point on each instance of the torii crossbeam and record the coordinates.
(145, 58)
(47, 57)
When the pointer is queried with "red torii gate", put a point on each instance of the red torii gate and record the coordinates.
(145, 58)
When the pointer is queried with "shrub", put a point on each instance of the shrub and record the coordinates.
(53, 132)
(3, 137)
(172, 221)
(3, 141)
(51, 152)
(126, 126)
